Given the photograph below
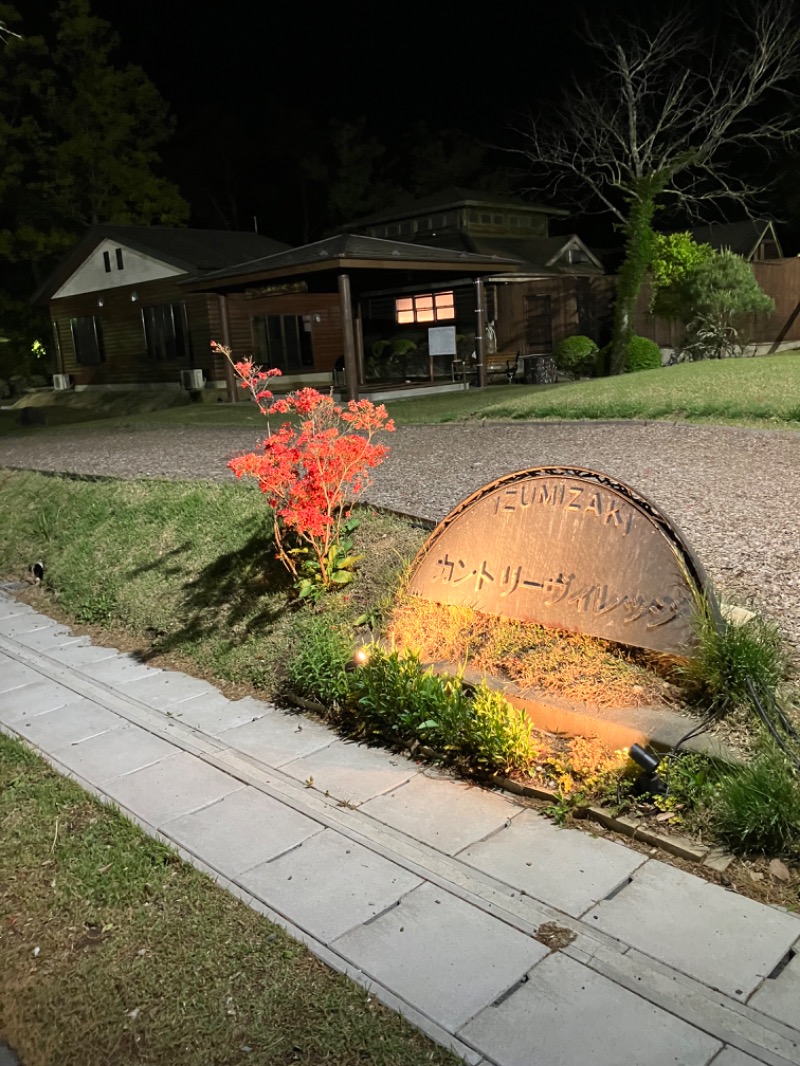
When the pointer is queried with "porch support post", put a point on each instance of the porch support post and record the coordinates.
(480, 331)
(348, 339)
(230, 381)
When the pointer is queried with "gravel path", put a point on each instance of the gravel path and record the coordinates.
(735, 493)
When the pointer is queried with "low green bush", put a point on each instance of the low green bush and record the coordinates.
(643, 354)
(318, 668)
(498, 736)
(397, 700)
(576, 355)
(756, 808)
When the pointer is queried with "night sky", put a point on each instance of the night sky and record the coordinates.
(244, 80)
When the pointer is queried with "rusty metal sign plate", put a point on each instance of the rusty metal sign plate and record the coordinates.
(568, 548)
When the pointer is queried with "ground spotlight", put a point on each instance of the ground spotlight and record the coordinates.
(360, 658)
(648, 783)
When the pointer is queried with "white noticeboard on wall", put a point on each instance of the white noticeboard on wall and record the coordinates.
(442, 340)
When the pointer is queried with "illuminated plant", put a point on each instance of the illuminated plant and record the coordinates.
(311, 470)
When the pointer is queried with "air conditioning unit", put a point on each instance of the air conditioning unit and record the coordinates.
(61, 382)
(191, 379)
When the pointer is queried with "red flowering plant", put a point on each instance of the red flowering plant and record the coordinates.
(311, 470)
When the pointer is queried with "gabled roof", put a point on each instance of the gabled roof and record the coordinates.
(742, 238)
(541, 256)
(353, 248)
(452, 197)
(193, 251)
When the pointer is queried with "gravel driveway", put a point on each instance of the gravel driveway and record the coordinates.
(735, 493)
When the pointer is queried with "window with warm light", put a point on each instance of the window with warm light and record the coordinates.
(431, 307)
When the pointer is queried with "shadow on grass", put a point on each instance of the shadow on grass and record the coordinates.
(238, 592)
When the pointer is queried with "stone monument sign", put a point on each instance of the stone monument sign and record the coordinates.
(568, 548)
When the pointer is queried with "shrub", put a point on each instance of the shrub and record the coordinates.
(499, 735)
(399, 701)
(643, 354)
(319, 667)
(757, 808)
(576, 355)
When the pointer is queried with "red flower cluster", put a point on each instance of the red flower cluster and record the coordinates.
(313, 466)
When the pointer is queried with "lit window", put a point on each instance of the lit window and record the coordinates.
(430, 307)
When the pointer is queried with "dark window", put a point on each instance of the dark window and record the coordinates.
(538, 324)
(107, 262)
(284, 341)
(87, 338)
(120, 264)
(165, 332)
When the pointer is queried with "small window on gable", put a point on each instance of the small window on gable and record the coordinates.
(107, 262)
(120, 264)
(430, 307)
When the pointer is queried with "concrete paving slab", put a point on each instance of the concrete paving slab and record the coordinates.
(213, 714)
(242, 830)
(278, 737)
(731, 1056)
(119, 669)
(566, 1014)
(7, 1056)
(37, 697)
(120, 751)
(568, 869)
(14, 675)
(724, 940)
(78, 656)
(51, 637)
(48, 643)
(441, 811)
(70, 724)
(170, 788)
(779, 997)
(329, 884)
(442, 955)
(166, 688)
(352, 772)
(20, 625)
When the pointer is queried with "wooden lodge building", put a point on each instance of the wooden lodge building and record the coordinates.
(447, 290)
(419, 295)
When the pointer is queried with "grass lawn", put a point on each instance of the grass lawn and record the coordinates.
(113, 951)
(763, 392)
(750, 392)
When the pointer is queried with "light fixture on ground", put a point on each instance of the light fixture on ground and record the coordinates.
(648, 783)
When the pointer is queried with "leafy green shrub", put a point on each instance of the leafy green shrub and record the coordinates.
(757, 808)
(399, 701)
(576, 355)
(643, 354)
(499, 735)
(729, 660)
(319, 666)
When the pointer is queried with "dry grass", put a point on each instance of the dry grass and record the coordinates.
(568, 665)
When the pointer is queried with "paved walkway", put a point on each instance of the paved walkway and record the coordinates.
(418, 886)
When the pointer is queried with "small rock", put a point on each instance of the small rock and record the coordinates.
(779, 870)
(755, 875)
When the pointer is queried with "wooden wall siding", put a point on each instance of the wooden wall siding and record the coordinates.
(779, 278)
(126, 358)
(578, 305)
(326, 335)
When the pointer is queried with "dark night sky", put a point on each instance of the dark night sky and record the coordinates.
(478, 69)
